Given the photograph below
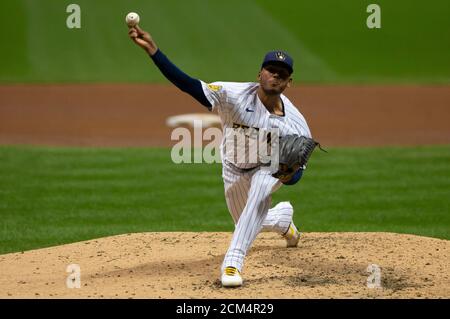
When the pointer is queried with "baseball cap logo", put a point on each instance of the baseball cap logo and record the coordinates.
(280, 56)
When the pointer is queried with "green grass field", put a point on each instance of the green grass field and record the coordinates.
(226, 40)
(51, 196)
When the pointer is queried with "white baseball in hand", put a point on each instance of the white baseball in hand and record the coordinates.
(132, 19)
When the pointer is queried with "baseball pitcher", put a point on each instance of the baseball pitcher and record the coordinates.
(248, 186)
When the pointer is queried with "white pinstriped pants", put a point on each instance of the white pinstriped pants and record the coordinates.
(248, 197)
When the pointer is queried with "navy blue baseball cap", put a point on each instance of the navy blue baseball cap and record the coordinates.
(279, 57)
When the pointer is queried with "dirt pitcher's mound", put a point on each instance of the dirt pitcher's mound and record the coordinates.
(187, 265)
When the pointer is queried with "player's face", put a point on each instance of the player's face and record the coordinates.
(274, 79)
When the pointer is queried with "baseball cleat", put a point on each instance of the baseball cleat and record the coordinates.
(292, 236)
(231, 277)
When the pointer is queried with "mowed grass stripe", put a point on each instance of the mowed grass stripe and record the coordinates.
(52, 196)
(226, 40)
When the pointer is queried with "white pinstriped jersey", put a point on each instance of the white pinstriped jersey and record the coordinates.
(238, 105)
